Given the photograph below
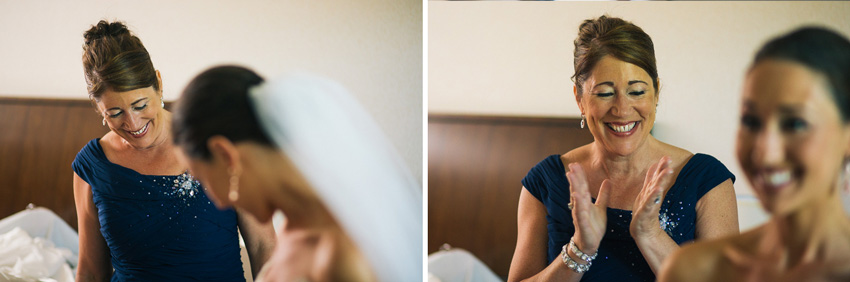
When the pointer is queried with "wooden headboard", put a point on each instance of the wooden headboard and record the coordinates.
(39, 139)
(475, 165)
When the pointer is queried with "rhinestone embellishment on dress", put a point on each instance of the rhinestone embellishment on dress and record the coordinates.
(667, 223)
(184, 185)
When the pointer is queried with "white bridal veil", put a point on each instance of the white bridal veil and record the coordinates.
(353, 168)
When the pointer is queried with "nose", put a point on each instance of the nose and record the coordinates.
(622, 106)
(133, 120)
(768, 148)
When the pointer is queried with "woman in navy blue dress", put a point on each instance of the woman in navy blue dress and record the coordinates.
(139, 212)
(614, 209)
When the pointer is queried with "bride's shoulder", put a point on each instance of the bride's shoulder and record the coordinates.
(708, 260)
(693, 262)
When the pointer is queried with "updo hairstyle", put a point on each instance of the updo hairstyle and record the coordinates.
(115, 59)
(822, 51)
(620, 39)
(216, 102)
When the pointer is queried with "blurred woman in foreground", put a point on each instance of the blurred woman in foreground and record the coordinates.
(300, 144)
(793, 144)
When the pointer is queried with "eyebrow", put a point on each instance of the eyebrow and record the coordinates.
(784, 109)
(604, 83)
(790, 109)
(131, 104)
(609, 83)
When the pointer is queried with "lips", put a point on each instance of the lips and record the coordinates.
(622, 129)
(775, 180)
(141, 132)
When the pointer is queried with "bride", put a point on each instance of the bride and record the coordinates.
(303, 146)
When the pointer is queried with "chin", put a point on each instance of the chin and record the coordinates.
(141, 144)
(779, 204)
(769, 205)
(625, 147)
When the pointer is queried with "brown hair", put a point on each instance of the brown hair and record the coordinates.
(821, 50)
(615, 37)
(214, 103)
(115, 59)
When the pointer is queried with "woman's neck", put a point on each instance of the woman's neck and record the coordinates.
(819, 230)
(619, 166)
(289, 191)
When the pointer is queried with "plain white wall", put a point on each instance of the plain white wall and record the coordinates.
(516, 58)
(372, 47)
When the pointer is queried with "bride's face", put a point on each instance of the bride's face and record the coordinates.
(792, 140)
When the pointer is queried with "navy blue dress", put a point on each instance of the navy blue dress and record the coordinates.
(159, 228)
(619, 258)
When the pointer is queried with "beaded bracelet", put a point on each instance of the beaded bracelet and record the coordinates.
(573, 265)
(581, 254)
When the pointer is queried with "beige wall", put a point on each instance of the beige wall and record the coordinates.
(506, 58)
(515, 58)
(373, 47)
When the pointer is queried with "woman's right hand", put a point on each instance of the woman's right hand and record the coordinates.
(589, 219)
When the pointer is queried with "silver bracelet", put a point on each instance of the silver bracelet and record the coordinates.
(581, 254)
(573, 265)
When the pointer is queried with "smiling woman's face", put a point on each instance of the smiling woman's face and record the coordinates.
(792, 141)
(135, 115)
(619, 105)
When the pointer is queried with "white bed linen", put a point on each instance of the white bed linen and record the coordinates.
(37, 245)
(458, 265)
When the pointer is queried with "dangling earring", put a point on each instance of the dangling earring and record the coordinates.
(103, 122)
(234, 187)
(161, 102)
(582, 120)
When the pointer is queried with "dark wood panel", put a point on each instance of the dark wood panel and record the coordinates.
(39, 139)
(475, 165)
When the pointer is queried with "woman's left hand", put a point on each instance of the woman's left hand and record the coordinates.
(648, 202)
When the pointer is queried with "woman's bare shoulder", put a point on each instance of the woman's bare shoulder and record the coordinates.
(110, 139)
(109, 142)
(678, 155)
(576, 155)
(693, 262)
(708, 260)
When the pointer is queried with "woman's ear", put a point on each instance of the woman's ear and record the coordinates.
(224, 153)
(159, 82)
(578, 99)
(658, 90)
